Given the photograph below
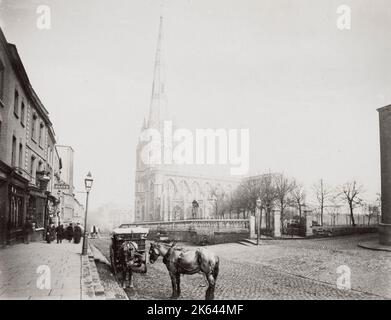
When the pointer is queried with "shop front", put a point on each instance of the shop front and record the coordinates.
(13, 200)
(20, 200)
(36, 212)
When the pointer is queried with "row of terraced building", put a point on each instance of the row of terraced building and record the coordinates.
(30, 164)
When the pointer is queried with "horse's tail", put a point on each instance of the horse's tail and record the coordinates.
(199, 257)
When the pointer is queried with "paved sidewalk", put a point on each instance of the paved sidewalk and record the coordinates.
(41, 271)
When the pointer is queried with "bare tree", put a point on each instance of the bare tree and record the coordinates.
(284, 187)
(323, 195)
(379, 204)
(298, 195)
(247, 194)
(373, 210)
(333, 212)
(268, 196)
(334, 208)
(350, 192)
(230, 204)
(236, 202)
(220, 201)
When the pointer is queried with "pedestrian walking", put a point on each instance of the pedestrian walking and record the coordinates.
(28, 230)
(50, 233)
(60, 233)
(94, 231)
(77, 233)
(69, 232)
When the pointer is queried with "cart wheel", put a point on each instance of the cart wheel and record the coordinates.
(113, 262)
(145, 257)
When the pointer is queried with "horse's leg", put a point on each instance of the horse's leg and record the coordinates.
(174, 286)
(210, 292)
(178, 283)
(124, 273)
(205, 279)
(130, 278)
(123, 278)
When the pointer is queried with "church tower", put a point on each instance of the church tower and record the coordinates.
(147, 184)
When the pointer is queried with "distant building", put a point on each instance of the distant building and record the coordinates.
(66, 154)
(70, 209)
(109, 216)
(78, 213)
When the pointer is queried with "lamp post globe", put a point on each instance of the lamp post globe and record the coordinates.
(88, 181)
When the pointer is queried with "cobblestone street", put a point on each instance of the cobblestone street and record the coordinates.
(278, 269)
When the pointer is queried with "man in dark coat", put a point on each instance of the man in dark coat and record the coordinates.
(50, 232)
(69, 232)
(60, 233)
(77, 234)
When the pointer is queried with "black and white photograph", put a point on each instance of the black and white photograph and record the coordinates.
(167, 151)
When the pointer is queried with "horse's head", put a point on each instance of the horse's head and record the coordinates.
(154, 252)
(128, 249)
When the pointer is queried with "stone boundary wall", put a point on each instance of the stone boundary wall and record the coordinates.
(319, 231)
(211, 231)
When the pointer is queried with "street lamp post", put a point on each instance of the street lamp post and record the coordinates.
(259, 203)
(88, 185)
(59, 207)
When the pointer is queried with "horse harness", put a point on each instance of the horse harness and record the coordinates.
(167, 255)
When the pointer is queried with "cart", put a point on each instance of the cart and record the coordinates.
(136, 237)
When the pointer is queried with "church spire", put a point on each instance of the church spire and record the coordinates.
(158, 97)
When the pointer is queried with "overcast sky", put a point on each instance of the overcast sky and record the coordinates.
(307, 91)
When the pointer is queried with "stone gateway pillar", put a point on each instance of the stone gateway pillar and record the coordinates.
(385, 162)
(308, 222)
(277, 223)
(252, 226)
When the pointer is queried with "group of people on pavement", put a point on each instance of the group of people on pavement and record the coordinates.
(71, 232)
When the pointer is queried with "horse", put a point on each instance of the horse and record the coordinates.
(131, 261)
(189, 262)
